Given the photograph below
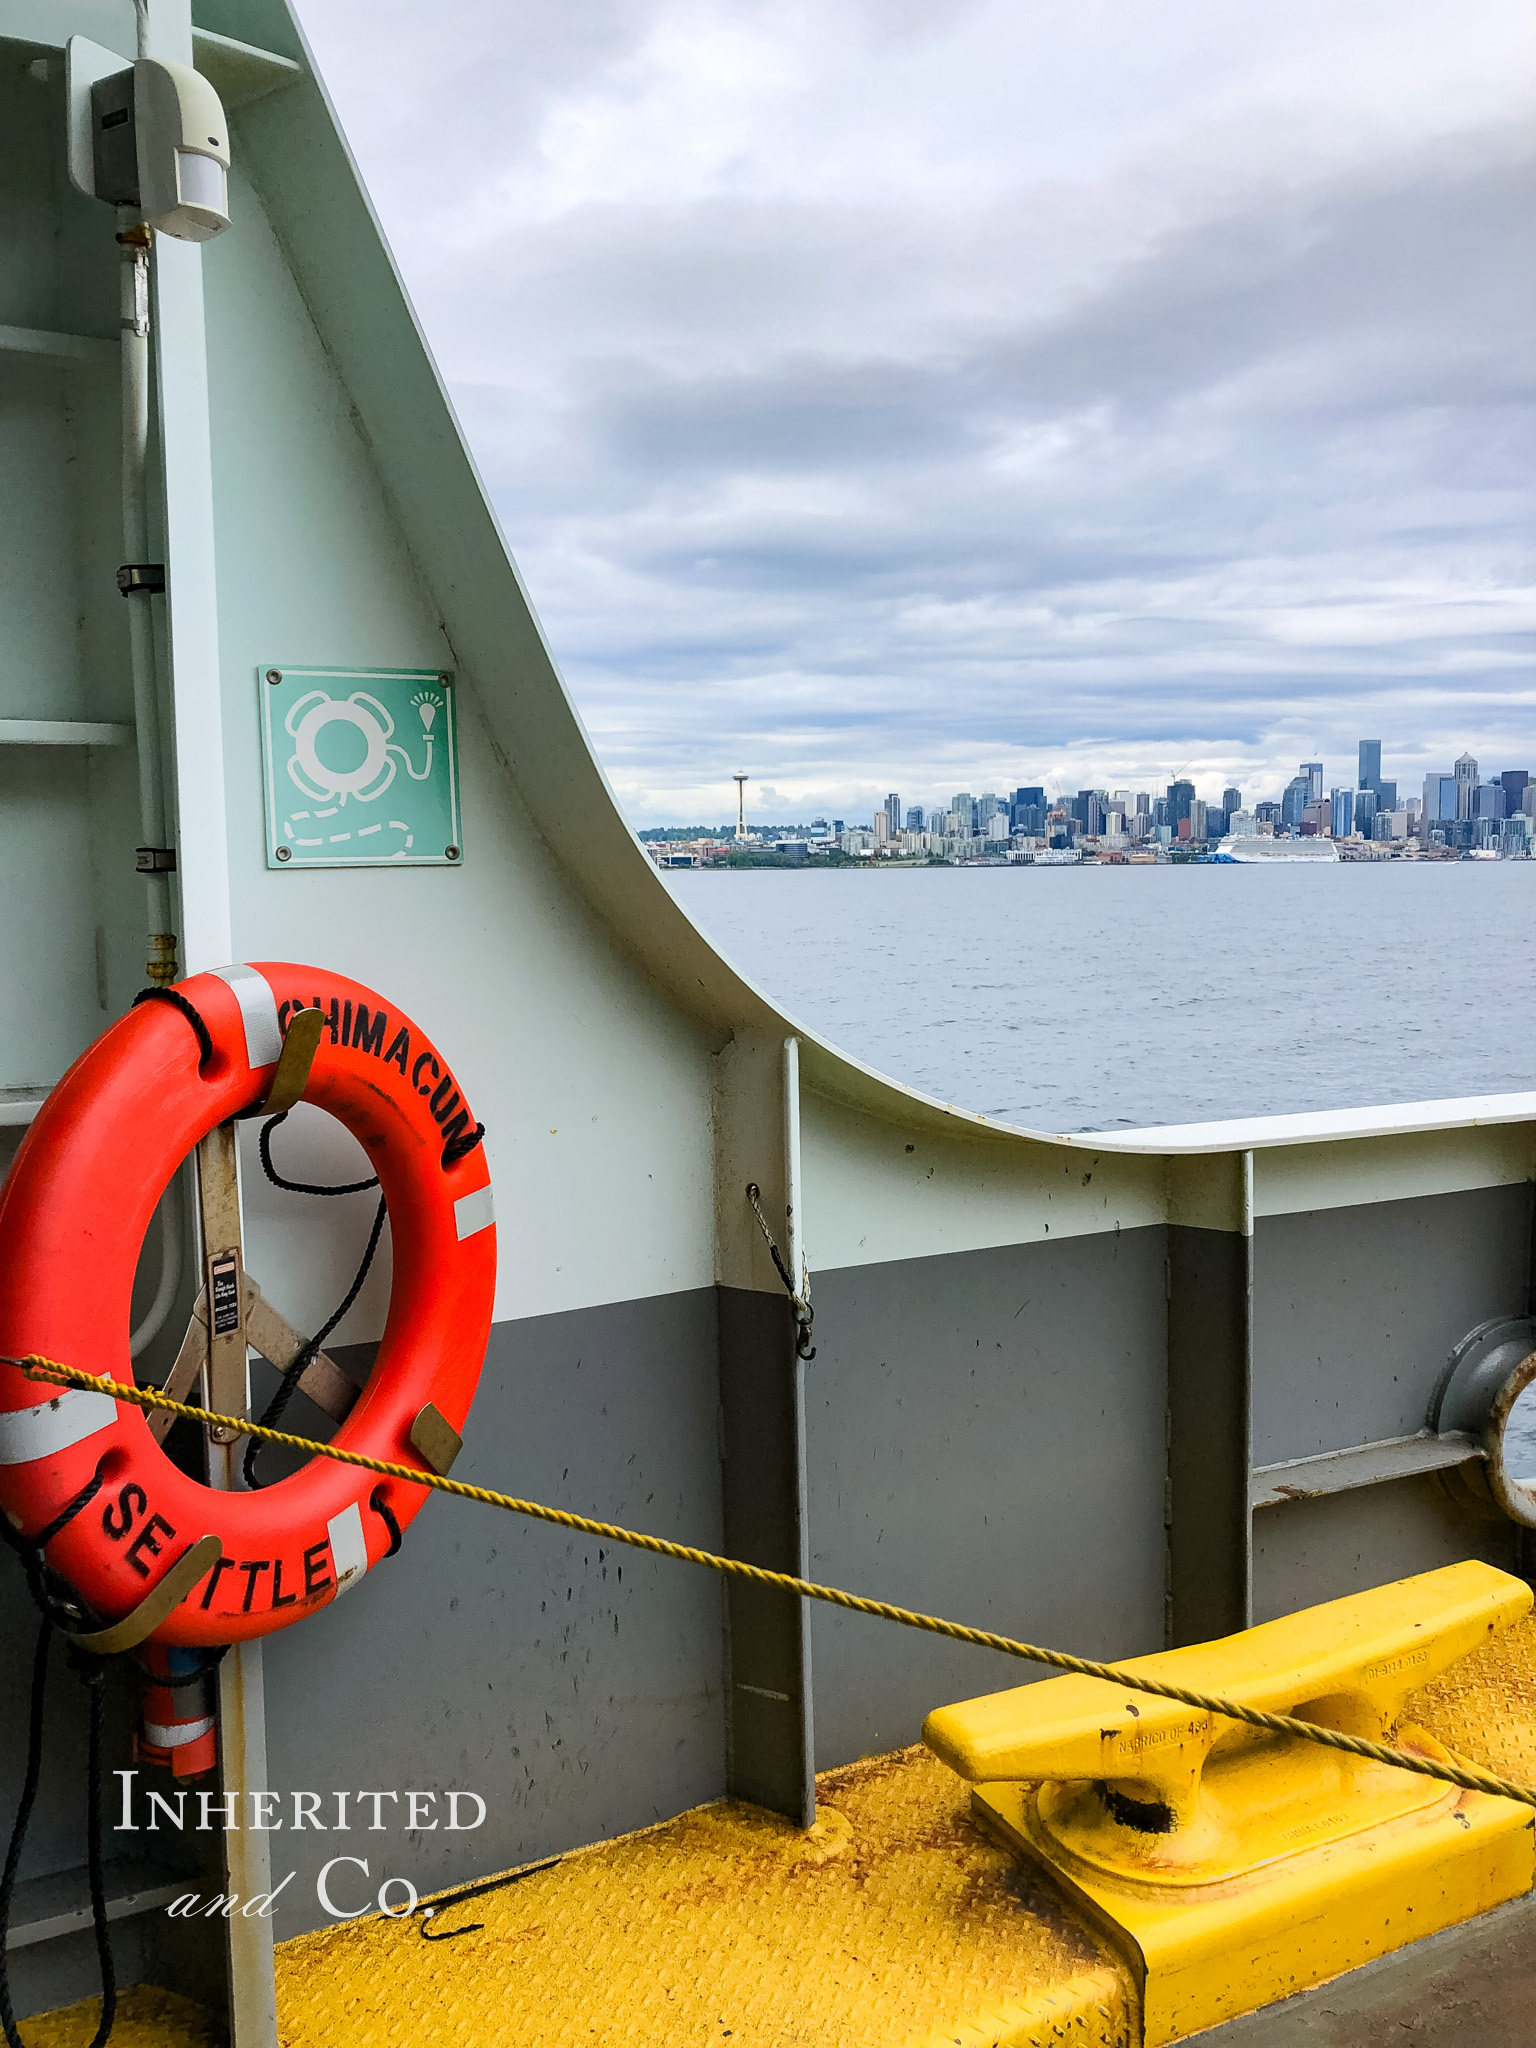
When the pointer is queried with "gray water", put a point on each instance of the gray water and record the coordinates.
(1086, 998)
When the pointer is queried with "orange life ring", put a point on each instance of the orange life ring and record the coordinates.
(73, 1215)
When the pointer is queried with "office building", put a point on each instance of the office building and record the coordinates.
(893, 815)
(1180, 796)
(1313, 770)
(915, 818)
(1439, 798)
(1342, 813)
(1370, 767)
(963, 806)
(1488, 800)
(1465, 772)
(1366, 806)
(1293, 805)
(1514, 782)
(1231, 800)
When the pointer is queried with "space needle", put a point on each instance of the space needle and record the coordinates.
(740, 780)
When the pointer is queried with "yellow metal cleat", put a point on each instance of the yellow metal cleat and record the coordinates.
(1232, 1867)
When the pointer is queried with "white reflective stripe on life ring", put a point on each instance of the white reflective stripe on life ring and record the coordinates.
(178, 1732)
(474, 1212)
(258, 1012)
(53, 1426)
(349, 1549)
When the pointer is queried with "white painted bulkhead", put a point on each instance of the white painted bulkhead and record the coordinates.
(1012, 1328)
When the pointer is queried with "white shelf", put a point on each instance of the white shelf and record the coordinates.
(67, 348)
(63, 732)
(20, 1105)
(45, 1907)
(239, 72)
(1391, 1457)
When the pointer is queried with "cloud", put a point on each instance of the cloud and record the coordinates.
(922, 398)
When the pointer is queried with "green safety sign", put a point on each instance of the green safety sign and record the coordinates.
(361, 767)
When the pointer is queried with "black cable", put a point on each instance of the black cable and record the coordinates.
(68, 1512)
(19, 1828)
(296, 1370)
(378, 1500)
(92, 1673)
(93, 1676)
(178, 1001)
(301, 1187)
(461, 1147)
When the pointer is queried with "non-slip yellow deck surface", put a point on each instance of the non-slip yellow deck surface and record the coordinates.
(897, 1922)
(898, 1925)
(147, 2017)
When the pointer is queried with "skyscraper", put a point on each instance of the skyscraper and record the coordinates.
(1466, 782)
(1180, 796)
(1440, 796)
(1370, 765)
(1298, 794)
(1342, 820)
(1231, 800)
(915, 818)
(893, 814)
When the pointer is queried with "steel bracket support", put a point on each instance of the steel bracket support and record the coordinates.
(1210, 1371)
(769, 1747)
(242, 1714)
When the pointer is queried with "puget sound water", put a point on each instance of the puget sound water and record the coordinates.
(1070, 999)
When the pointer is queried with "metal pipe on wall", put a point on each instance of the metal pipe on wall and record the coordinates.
(134, 239)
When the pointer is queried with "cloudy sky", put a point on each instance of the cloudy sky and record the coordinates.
(947, 394)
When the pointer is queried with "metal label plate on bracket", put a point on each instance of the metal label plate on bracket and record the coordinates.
(361, 767)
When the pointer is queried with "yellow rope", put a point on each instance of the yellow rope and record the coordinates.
(1468, 1779)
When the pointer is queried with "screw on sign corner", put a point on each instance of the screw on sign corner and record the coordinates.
(274, 675)
(284, 852)
(450, 853)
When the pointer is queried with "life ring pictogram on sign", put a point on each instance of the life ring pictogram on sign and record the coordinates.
(73, 1215)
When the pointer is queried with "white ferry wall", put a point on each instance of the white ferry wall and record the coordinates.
(1046, 1370)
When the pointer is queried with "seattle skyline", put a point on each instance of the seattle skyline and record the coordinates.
(887, 396)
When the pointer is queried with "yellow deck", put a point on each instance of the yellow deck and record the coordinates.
(898, 1924)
